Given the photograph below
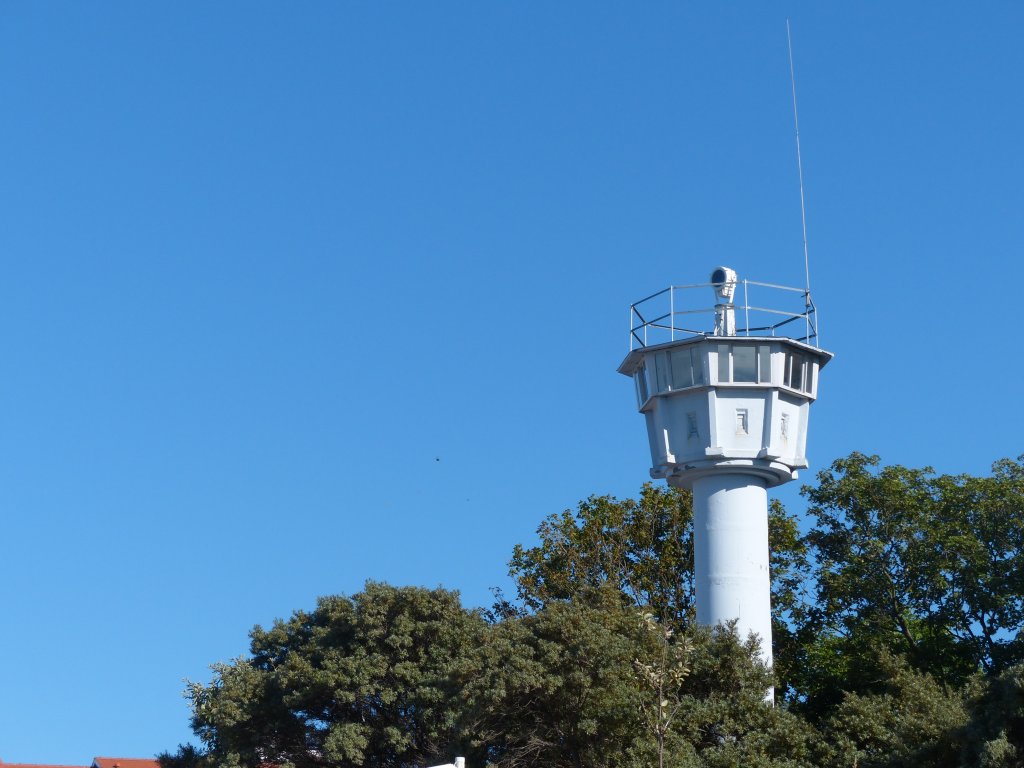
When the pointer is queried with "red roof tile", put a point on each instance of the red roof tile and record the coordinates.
(124, 762)
(97, 762)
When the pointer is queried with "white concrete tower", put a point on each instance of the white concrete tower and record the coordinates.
(726, 415)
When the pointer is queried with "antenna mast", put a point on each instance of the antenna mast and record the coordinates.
(800, 169)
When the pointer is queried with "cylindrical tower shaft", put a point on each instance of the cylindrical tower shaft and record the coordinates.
(731, 555)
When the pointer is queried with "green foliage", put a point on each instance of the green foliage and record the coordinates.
(723, 721)
(897, 643)
(994, 737)
(361, 681)
(790, 570)
(577, 684)
(642, 549)
(187, 756)
(555, 688)
(925, 566)
(911, 721)
(662, 676)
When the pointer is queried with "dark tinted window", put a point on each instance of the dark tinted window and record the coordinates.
(744, 364)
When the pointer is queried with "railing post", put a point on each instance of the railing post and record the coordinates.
(671, 313)
(807, 315)
(746, 306)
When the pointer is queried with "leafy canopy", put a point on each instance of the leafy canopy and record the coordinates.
(897, 621)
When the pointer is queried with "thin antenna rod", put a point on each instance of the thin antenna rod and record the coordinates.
(799, 167)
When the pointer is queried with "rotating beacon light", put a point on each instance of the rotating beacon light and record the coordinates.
(726, 417)
(723, 280)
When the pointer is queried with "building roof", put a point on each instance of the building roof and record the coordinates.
(124, 762)
(97, 762)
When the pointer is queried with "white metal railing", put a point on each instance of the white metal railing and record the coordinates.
(670, 313)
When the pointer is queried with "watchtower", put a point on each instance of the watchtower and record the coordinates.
(727, 414)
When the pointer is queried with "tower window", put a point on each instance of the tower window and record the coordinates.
(687, 368)
(764, 364)
(640, 377)
(682, 370)
(744, 364)
(663, 370)
(678, 369)
(799, 372)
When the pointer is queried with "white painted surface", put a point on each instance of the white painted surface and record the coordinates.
(731, 555)
(693, 429)
(729, 436)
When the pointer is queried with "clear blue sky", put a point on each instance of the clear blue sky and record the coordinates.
(295, 295)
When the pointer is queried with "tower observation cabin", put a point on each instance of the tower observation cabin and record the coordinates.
(727, 409)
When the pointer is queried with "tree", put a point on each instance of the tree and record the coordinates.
(930, 567)
(909, 721)
(556, 688)
(581, 684)
(662, 678)
(897, 621)
(371, 680)
(994, 735)
(642, 550)
(983, 603)
(187, 756)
